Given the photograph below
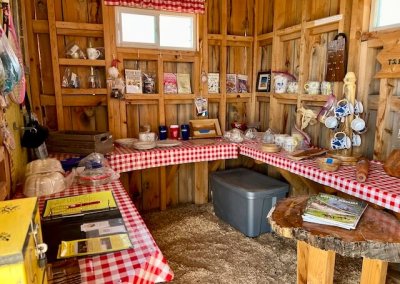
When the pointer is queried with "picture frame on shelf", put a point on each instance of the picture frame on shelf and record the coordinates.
(264, 81)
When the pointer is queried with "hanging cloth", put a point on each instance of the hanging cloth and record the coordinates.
(17, 95)
(182, 6)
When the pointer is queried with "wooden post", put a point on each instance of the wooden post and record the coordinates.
(163, 188)
(314, 265)
(54, 59)
(201, 182)
(373, 271)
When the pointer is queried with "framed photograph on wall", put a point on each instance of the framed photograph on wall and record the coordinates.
(264, 81)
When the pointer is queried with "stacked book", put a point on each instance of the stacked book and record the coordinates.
(332, 210)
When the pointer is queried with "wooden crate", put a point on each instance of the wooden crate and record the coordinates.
(80, 142)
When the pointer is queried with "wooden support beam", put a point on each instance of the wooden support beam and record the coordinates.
(55, 63)
(201, 182)
(373, 271)
(319, 264)
(163, 188)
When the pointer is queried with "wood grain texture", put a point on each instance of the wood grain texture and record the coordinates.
(377, 235)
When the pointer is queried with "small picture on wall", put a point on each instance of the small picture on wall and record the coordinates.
(264, 81)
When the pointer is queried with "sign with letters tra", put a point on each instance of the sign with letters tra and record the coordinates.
(389, 58)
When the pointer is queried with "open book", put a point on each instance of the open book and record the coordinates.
(332, 210)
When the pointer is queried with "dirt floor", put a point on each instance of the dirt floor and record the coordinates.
(200, 248)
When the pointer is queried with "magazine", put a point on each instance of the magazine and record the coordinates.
(79, 204)
(183, 82)
(231, 82)
(94, 245)
(213, 83)
(332, 210)
(242, 83)
(133, 81)
(149, 85)
(170, 83)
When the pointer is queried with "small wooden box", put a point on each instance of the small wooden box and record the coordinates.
(80, 142)
(20, 231)
(205, 128)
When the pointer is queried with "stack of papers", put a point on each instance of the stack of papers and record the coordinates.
(332, 210)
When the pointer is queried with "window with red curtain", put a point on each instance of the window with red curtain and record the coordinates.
(185, 6)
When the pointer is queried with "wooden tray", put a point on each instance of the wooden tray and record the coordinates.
(307, 154)
(205, 128)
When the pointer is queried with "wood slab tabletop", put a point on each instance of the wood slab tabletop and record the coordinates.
(377, 235)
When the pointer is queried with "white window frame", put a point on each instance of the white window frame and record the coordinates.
(156, 14)
(374, 18)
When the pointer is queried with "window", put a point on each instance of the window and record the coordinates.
(385, 14)
(155, 29)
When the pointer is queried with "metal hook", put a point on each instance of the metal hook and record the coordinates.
(15, 127)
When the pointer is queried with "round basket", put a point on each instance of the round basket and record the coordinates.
(270, 148)
(328, 164)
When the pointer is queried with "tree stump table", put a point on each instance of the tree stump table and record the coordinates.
(376, 239)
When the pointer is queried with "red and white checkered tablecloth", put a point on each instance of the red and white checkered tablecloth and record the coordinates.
(125, 159)
(144, 263)
(380, 188)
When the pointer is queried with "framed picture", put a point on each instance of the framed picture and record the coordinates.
(264, 81)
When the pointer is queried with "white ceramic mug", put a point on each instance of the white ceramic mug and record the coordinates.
(147, 136)
(326, 88)
(293, 87)
(92, 53)
(280, 84)
(356, 140)
(312, 87)
(340, 141)
(358, 124)
(331, 122)
(358, 107)
(290, 144)
(343, 108)
(280, 139)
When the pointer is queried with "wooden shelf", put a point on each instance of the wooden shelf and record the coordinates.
(96, 91)
(79, 29)
(81, 62)
(324, 21)
(285, 96)
(213, 96)
(179, 96)
(142, 96)
(317, 98)
(267, 36)
(290, 30)
(238, 95)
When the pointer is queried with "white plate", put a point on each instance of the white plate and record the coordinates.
(168, 143)
(144, 145)
(127, 142)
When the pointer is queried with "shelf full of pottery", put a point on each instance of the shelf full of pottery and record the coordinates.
(285, 83)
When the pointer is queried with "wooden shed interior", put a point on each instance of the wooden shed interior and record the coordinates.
(239, 37)
(253, 38)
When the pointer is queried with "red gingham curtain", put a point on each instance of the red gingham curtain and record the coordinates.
(185, 6)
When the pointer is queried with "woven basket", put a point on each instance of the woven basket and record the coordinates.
(328, 164)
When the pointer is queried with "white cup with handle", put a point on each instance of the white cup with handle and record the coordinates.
(92, 53)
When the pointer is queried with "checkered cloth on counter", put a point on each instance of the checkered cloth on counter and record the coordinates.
(125, 159)
(380, 188)
(144, 263)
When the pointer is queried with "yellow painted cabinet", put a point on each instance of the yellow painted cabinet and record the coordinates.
(20, 233)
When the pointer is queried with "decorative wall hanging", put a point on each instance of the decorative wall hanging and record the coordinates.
(336, 65)
(389, 58)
